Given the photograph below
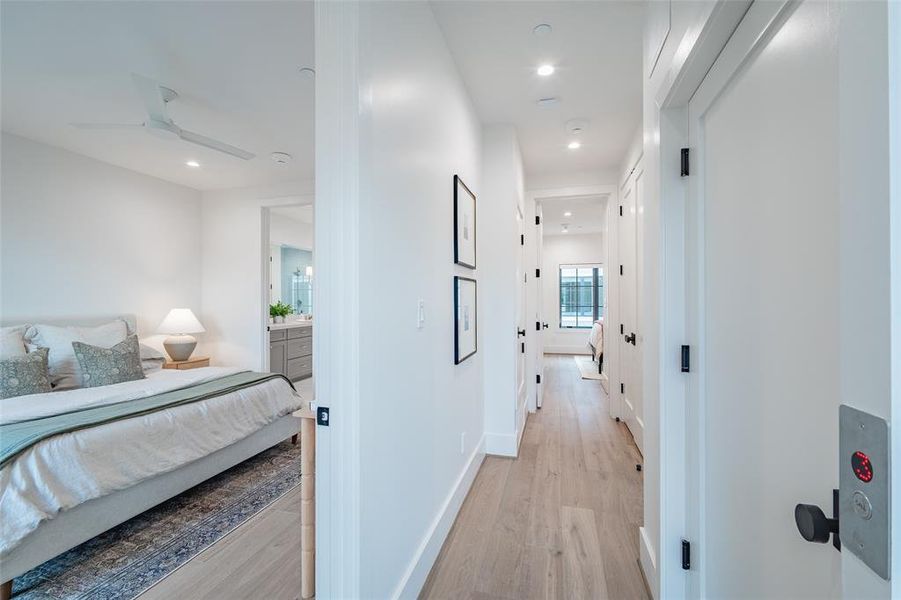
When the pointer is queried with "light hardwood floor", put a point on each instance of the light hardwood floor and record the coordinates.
(259, 559)
(560, 521)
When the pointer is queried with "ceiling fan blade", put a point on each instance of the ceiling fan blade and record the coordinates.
(152, 96)
(202, 140)
(107, 125)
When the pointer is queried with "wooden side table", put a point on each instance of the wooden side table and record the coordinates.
(192, 363)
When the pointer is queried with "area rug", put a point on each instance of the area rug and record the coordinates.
(130, 558)
(587, 367)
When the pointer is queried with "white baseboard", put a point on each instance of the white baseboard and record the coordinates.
(577, 349)
(501, 444)
(418, 571)
(648, 560)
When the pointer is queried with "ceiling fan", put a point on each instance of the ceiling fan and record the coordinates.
(155, 98)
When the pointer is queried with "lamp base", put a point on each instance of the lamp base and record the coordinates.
(180, 347)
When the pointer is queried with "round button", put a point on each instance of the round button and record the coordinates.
(861, 505)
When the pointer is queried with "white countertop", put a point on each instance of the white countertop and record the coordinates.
(289, 325)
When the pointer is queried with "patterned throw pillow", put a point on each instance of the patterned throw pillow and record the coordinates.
(106, 366)
(23, 375)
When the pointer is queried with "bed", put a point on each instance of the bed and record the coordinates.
(78, 462)
(596, 343)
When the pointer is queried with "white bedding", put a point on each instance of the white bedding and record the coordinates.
(66, 470)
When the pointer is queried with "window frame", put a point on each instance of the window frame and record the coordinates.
(597, 305)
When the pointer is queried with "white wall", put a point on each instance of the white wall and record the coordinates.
(234, 253)
(501, 196)
(587, 248)
(82, 238)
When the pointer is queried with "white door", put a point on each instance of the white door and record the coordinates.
(626, 332)
(766, 268)
(520, 338)
(539, 308)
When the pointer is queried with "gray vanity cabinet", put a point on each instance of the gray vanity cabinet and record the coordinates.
(291, 352)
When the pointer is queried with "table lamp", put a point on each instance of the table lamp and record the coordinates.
(179, 324)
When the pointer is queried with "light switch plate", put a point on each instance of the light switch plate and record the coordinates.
(864, 484)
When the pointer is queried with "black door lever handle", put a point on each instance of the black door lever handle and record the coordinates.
(520, 332)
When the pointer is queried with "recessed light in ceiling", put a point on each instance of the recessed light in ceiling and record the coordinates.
(280, 158)
(567, 214)
(546, 102)
(542, 29)
(545, 70)
(307, 73)
(574, 145)
(193, 164)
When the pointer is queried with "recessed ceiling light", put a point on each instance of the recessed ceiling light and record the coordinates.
(542, 29)
(545, 70)
(546, 102)
(567, 214)
(574, 145)
(307, 73)
(193, 164)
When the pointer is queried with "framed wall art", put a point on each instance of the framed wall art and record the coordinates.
(465, 318)
(464, 224)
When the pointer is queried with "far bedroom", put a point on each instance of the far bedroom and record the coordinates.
(156, 348)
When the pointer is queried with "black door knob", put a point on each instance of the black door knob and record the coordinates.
(815, 526)
(520, 332)
(544, 326)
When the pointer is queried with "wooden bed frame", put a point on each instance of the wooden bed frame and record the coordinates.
(88, 520)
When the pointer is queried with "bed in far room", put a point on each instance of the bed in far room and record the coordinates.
(596, 343)
(85, 451)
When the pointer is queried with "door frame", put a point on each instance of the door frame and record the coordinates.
(532, 197)
(675, 195)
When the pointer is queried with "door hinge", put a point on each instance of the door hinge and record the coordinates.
(537, 325)
(686, 359)
(537, 220)
(322, 416)
(620, 210)
(686, 555)
(537, 272)
(684, 163)
(622, 329)
(538, 379)
(522, 347)
(522, 239)
(622, 388)
(620, 269)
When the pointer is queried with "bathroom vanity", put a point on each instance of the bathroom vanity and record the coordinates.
(291, 349)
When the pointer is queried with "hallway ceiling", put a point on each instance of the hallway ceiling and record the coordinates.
(596, 48)
(588, 215)
(235, 66)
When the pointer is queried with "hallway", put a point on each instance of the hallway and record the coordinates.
(560, 521)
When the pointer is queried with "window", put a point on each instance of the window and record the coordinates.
(581, 295)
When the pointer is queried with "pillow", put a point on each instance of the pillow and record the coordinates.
(12, 342)
(64, 371)
(151, 359)
(23, 375)
(106, 366)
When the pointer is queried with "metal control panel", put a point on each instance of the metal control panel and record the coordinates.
(864, 483)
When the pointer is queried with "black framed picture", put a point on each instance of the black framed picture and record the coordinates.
(464, 224)
(465, 318)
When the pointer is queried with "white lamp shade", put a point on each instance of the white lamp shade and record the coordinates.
(180, 320)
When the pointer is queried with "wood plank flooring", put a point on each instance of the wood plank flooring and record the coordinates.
(259, 559)
(560, 521)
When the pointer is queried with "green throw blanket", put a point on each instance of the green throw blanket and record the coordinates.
(15, 438)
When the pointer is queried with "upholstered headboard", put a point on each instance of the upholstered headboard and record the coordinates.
(130, 320)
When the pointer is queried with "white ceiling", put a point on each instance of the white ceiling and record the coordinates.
(596, 47)
(304, 213)
(234, 64)
(588, 215)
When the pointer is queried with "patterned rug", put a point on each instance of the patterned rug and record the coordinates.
(130, 558)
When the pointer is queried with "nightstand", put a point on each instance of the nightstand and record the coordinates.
(192, 363)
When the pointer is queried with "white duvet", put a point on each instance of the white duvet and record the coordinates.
(66, 470)
(596, 337)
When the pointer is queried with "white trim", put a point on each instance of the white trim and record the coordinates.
(418, 570)
(648, 561)
(581, 349)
